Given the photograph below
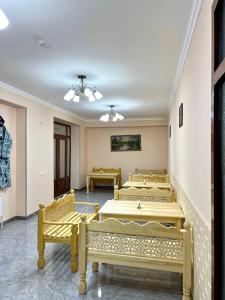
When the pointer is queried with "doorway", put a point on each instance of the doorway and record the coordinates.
(62, 158)
(218, 146)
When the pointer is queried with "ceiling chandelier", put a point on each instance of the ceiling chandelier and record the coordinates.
(111, 115)
(82, 89)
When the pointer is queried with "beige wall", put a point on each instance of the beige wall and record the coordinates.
(153, 154)
(39, 134)
(190, 145)
(190, 148)
(9, 195)
(15, 196)
(21, 162)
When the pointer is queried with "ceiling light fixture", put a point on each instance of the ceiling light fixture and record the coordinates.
(43, 44)
(4, 22)
(82, 89)
(111, 115)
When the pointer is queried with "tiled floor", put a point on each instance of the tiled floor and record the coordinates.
(20, 279)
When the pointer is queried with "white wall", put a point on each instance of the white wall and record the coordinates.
(153, 154)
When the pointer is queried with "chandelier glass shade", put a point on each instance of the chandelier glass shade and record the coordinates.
(82, 89)
(4, 22)
(111, 115)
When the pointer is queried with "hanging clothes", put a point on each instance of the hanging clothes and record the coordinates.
(5, 148)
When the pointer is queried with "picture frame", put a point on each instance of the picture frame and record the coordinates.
(120, 143)
(170, 131)
(181, 121)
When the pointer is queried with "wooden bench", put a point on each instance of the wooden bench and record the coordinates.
(149, 178)
(150, 246)
(103, 179)
(142, 194)
(107, 170)
(150, 171)
(148, 185)
(58, 223)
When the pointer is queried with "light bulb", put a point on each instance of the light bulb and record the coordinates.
(120, 117)
(4, 22)
(98, 95)
(76, 98)
(114, 119)
(91, 98)
(104, 118)
(69, 95)
(117, 115)
(87, 92)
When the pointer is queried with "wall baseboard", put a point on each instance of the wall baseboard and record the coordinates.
(21, 218)
(80, 189)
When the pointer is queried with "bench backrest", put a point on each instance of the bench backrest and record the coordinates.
(149, 178)
(143, 194)
(107, 170)
(113, 239)
(150, 171)
(55, 210)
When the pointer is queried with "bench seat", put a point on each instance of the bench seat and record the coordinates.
(64, 231)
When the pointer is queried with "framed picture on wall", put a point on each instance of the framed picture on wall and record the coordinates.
(126, 142)
(170, 131)
(181, 115)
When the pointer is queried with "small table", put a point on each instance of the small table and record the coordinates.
(137, 184)
(149, 211)
(97, 175)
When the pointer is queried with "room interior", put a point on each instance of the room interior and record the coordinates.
(120, 85)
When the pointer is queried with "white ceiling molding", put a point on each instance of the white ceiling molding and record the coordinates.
(195, 11)
(37, 100)
(130, 122)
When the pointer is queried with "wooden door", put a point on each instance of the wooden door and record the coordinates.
(62, 163)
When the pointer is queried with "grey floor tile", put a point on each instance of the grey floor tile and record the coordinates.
(20, 279)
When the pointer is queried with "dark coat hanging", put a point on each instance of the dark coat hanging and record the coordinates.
(5, 148)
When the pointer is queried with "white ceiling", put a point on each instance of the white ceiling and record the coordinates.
(129, 49)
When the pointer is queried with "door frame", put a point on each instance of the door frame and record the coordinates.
(66, 138)
(217, 75)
